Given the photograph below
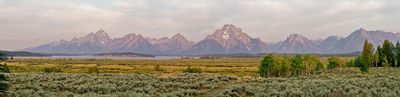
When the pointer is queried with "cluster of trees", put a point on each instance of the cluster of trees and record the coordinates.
(274, 65)
(387, 55)
(3, 78)
(3, 56)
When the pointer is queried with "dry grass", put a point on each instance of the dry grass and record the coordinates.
(223, 66)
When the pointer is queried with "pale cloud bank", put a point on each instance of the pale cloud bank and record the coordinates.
(26, 23)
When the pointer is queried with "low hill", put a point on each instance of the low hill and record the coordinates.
(24, 54)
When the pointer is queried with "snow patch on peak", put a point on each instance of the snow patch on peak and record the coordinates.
(225, 34)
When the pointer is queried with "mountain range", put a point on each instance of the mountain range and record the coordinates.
(227, 40)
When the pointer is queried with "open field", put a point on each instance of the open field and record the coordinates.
(226, 77)
(231, 66)
(380, 82)
(223, 66)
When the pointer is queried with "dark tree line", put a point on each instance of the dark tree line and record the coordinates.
(274, 65)
(3, 56)
(387, 55)
(3, 78)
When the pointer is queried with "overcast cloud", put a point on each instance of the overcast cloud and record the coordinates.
(27, 23)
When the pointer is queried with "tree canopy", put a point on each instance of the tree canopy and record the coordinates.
(366, 59)
(3, 78)
(274, 65)
(3, 56)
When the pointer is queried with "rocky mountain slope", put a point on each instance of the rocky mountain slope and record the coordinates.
(354, 41)
(100, 42)
(227, 40)
(333, 44)
(296, 43)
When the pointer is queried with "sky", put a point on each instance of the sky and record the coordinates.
(28, 23)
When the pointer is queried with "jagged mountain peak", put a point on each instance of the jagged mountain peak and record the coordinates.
(98, 38)
(362, 33)
(133, 35)
(175, 44)
(296, 43)
(329, 43)
(174, 39)
(297, 38)
(63, 40)
(229, 39)
(354, 41)
(295, 35)
(101, 32)
(333, 38)
(366, 33)
(227, 32)
(74, 39)
(228, 27)
(178, 36)
(361, 30)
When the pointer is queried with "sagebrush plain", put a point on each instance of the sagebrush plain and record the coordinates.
(224, 77)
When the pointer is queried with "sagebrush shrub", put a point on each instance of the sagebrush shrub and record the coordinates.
(51, 70)
(333, 62)
(191, 69)
(93, 69)
(158, 68)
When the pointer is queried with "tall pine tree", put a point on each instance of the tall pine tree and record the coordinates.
(388, 52)
(380, 56)
(3, 78)
(398, 54)
(297, 64)
(2, 56)
(375, 60)
(366, 56)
